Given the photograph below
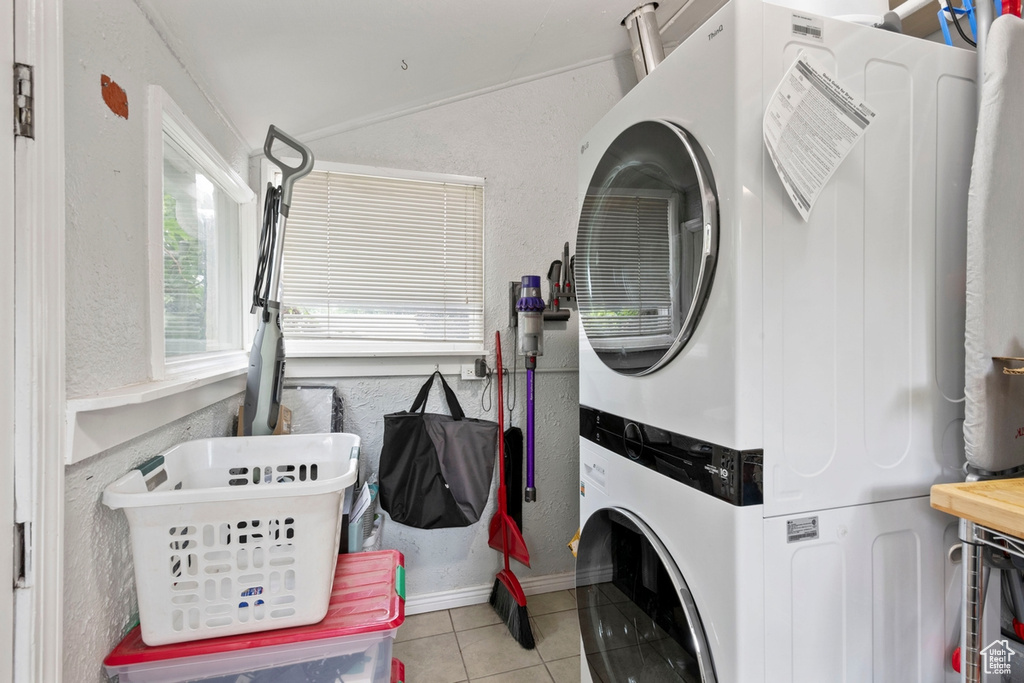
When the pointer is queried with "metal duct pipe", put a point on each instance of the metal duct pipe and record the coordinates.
(648, 51)
(983, 15)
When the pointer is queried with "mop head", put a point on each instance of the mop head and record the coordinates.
(512, 613)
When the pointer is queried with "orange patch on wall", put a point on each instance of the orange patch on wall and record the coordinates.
(115, 96)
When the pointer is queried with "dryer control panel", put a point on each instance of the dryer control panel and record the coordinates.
(731, 475)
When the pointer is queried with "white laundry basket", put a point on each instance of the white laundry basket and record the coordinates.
(236, 535)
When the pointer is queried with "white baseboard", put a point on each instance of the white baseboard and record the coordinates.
(475, 595)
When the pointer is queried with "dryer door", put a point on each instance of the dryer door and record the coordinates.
(638, 620)
(646, 247)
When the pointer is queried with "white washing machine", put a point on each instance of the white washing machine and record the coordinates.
(676, 585)
(738, 362)
(663, 573)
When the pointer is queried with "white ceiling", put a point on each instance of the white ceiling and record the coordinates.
(314, 67)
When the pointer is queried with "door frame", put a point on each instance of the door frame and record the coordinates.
(38, 387)
(7, 402)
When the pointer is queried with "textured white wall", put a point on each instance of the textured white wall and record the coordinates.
(525, 141)
(107, 296)
(447, 559)
(107, 258)
(99, 580)
(522, 139)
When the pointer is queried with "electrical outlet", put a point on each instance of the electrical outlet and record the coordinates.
(469, 371)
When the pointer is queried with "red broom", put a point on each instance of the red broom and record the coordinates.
(507, 597)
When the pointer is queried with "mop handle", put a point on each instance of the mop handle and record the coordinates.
(289, 174)
(501, 427)
(531, 490)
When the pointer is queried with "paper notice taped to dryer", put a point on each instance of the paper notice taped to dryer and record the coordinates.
(810, 126)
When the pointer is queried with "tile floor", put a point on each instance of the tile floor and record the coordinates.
(472, 644)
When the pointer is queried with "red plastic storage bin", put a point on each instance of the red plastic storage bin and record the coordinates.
(351, 645)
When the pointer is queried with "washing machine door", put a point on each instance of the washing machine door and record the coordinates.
(646, 247)
(638, 620)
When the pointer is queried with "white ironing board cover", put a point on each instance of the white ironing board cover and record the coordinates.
(994, 410)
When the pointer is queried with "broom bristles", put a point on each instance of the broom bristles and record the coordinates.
(512, 613)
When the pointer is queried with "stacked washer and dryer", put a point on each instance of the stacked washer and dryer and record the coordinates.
(765, 401)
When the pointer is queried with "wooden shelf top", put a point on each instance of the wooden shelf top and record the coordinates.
(997, 504)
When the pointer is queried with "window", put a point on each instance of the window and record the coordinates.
(383, 264)
(201, 284)
(198, 204)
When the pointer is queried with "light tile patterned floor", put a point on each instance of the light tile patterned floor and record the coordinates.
(472, 644)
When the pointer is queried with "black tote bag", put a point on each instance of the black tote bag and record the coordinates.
(436, 470)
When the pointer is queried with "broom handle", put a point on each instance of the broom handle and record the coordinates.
(504, 545)
(502, 506)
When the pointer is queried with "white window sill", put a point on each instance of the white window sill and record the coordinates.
(99, 422)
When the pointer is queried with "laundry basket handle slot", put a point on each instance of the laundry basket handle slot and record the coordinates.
(153, 472)
(150, 465)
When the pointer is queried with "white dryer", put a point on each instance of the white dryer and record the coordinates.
(766, 400)
(710, 308)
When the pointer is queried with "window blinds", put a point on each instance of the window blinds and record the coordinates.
(629, 287)
(372, 263)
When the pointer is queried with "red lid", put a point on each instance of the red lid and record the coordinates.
(368, 596)
(397, 671)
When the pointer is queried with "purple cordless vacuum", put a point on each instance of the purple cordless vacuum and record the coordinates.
(531, 344)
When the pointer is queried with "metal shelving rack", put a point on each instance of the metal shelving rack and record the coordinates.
(974, 538)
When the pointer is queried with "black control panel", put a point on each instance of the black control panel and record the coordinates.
(734, 476)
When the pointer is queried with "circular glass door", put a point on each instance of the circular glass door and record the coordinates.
(646, 247)
(637, 617)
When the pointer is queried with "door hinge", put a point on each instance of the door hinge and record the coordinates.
(23, 114)
(21, 551)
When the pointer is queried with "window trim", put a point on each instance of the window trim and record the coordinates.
(325, 349)
(165, 116)
(267, 170)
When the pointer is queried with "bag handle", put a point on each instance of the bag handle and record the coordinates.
(420, 404)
